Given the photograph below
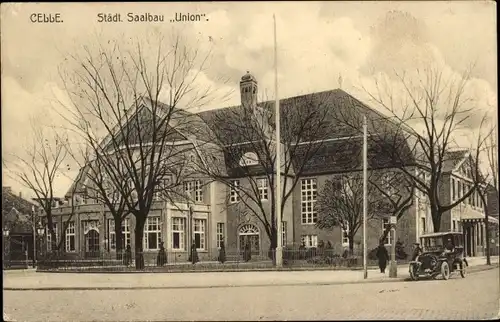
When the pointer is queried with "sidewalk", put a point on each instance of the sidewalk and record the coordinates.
(29, 280)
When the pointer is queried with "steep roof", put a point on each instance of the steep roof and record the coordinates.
(451, 159)
(343, 118)
(16, 212)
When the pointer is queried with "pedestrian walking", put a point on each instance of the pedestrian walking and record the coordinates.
(161, 259)
(127, 258)
(383, 257)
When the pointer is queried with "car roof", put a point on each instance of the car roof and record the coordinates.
(444, 233)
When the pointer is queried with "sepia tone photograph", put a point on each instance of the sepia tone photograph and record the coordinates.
(244, 161)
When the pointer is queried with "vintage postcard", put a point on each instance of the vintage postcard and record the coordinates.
(243, 161)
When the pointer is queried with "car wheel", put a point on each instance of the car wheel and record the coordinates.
(445, 270)
(463, 269)
(413, 273)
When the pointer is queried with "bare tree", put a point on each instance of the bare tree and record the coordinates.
(39, 168)
(244, 147)
(437, 105)
(488, 180)
(137, 141)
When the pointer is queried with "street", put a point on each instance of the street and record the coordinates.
(475, 297)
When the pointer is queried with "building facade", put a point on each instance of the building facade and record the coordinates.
(216, 213)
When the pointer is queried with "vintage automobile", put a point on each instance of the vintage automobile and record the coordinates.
(442, 254)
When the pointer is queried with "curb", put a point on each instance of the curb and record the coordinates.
(112, 288)
(196, 287)
(220, 270)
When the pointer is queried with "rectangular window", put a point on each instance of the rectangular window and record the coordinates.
(283, 233)
(49, 236)
(263, 188)
(234, 191)
(196, 187)
(164, 184)
(345, 238)
(308, 200)
(220, 234)
(453, 189)
(423, 227)
(454, 225)
(70, 237)
(125, 233)
(198, 191)
(385, 224)
(178, 233)
(459, 193)
(152, 233)
(199, 233)
(310, 240)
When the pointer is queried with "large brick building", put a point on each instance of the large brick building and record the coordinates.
(217, 214)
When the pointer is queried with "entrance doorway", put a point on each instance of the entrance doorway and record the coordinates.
(92, 244)
(249, 234)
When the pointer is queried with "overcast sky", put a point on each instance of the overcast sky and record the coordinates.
(317, 43)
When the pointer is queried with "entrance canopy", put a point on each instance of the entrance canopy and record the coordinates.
(469, 215)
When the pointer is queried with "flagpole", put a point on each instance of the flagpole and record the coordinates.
(365, 192)
(279, 258)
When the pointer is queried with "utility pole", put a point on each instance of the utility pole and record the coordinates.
(33, 216)
(278, 255)
(365, 192)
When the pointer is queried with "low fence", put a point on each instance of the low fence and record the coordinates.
(17, 260)
(233, 259)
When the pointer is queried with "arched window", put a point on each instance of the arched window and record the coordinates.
(248, 229)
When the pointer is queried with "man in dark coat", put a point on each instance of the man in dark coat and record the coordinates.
(383, 257)
(417, 251)
(161, 259)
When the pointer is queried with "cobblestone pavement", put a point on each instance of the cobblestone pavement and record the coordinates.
(475, 297)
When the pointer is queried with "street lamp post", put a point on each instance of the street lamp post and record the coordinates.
(393, 269)
(33, 220)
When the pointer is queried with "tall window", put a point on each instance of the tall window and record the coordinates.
(454, 225)
(161, 186)
(422, 226)
(198, 191)
(70, 237)
(386, 223)
(388, 184)
(308, 200)
(263, 188)
(453, 189)
(178, 233)
(196, 187)
(283, 233)
(234, 191)
(345, 236)
(49, 236)
(125, 233)
(459, 193)
(152, 233)
(200, 226)
(220, 233)
(310, 240)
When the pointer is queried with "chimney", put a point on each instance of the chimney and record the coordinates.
(20, 194)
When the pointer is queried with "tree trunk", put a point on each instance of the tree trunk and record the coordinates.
(436, 220)
(139, 232)
(274, 243)
(119, 240)
(351, 245)
(486, 227)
